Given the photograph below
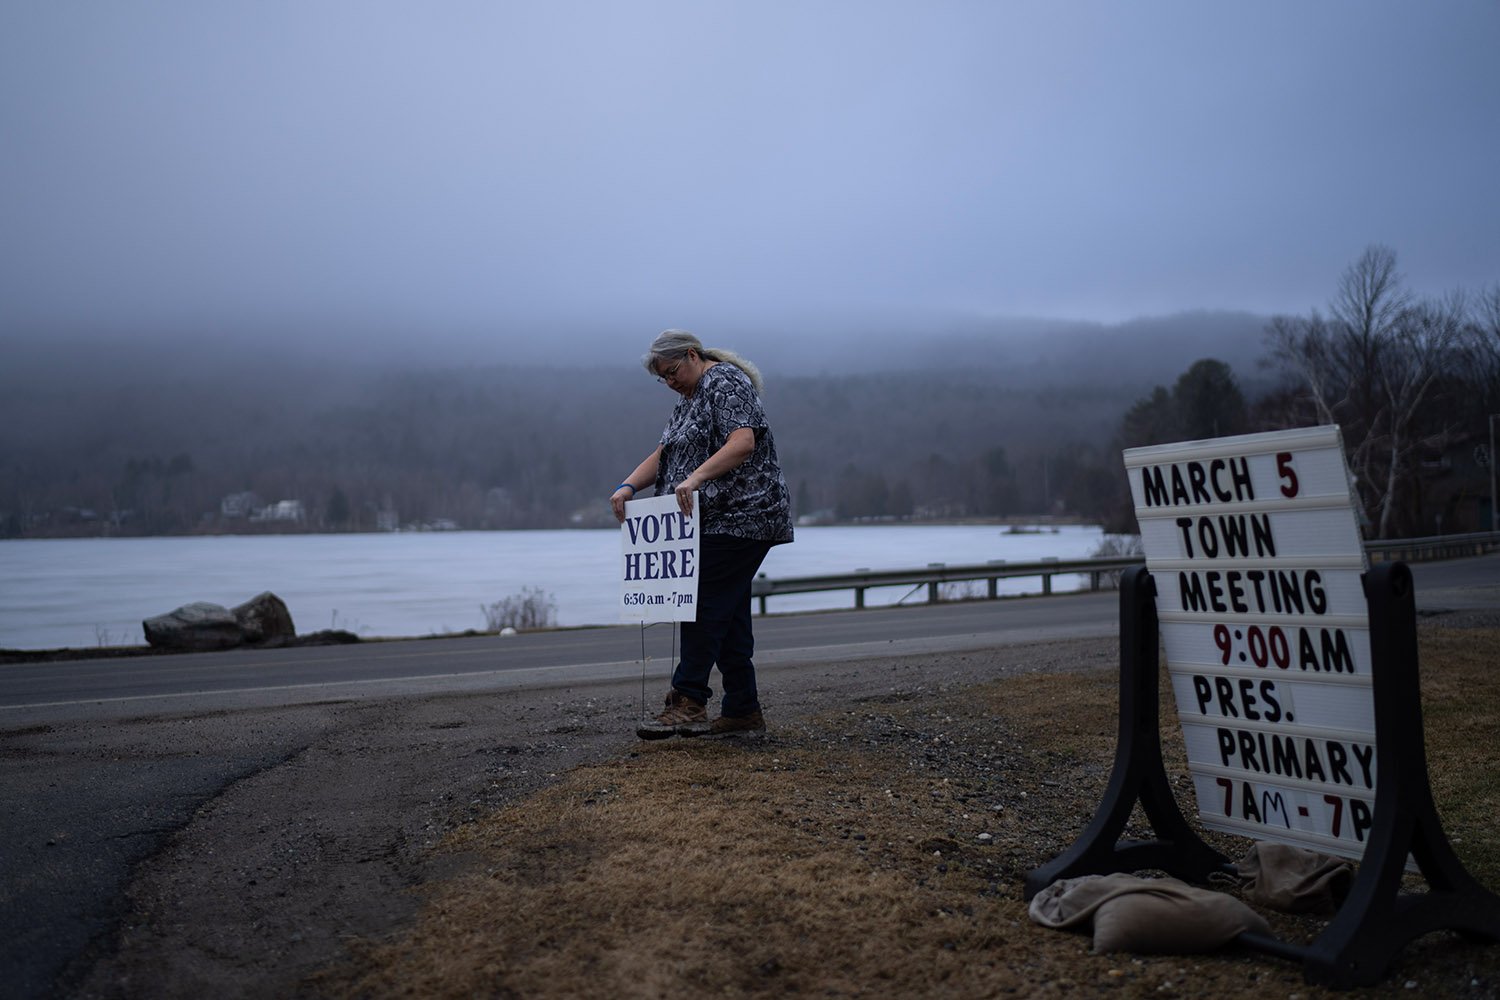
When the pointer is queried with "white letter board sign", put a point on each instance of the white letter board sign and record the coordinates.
(1256, 555)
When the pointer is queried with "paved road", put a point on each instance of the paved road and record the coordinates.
(1458, 584)
(104, 762)
(33, 694)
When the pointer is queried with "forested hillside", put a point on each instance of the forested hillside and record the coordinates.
(513, 447)
(964, 422)
(154, 440)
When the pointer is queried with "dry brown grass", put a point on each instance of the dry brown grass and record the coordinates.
(1461, 715)
(827, 862)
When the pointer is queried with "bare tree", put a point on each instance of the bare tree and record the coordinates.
(1369, 301)
(1372, 368)
(1422, 349)
(1301, 348)
(1371, 297)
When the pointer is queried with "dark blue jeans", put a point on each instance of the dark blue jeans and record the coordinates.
(721, 635)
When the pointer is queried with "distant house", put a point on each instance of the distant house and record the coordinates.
(1455, 495)
(240, 505)
(823, 515)
(281, 510)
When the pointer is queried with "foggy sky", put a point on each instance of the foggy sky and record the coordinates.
(521, 174)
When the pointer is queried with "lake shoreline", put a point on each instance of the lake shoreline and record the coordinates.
(94, 593)
(1041, 521)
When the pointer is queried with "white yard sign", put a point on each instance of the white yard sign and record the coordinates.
(1256, 555)
(659, 561)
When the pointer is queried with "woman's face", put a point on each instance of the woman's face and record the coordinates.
(683, 374)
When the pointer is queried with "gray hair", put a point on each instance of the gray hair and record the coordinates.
(673, 345)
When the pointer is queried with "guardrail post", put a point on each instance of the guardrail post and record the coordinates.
(859, 597)
(993, 583)
(932, 585)
(1047, 578)
(763, 586)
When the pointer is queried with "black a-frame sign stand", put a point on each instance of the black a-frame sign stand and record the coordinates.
(1139, 774)
(1377, 919)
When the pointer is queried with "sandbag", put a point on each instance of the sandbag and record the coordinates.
(1294, 879)
(1156, 915)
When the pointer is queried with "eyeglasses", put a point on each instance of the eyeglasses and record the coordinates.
(670, 372)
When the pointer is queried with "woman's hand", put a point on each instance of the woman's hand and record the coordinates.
(737, 447)
(644, 473)
(617, 500)
(685, 493)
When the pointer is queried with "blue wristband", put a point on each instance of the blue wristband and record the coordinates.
(622, 486)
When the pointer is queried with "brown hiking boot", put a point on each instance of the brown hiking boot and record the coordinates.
(730, 725)
(681, 715)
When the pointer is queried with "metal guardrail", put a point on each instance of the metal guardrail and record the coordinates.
(1434, 547)
(1404, 550)
(937, 574)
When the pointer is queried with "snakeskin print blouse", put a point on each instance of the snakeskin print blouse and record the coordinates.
(752, 501)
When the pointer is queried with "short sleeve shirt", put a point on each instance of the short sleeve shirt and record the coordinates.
(751, 501)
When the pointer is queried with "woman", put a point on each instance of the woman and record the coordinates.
(718, 443)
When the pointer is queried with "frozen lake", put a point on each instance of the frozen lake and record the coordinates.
(57, 593)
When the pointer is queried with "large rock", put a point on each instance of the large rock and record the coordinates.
(196, 626)
(265, 620)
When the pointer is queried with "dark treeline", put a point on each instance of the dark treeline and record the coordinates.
(970, 427)
(513, 447)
